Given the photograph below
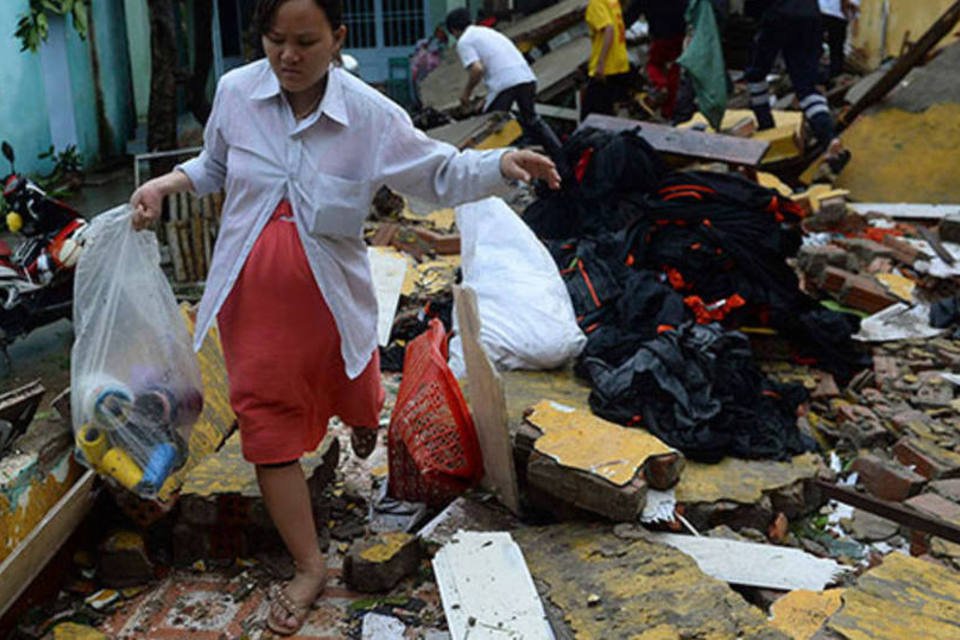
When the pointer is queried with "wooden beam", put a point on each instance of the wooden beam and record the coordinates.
(561, 113)
(687, 143)
(19, 405)
(487, 403)
(26, 562)
(892, 511)
(914, 56)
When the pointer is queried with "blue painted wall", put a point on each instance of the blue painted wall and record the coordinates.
(23, 112)
(115, 73)
(26, 109)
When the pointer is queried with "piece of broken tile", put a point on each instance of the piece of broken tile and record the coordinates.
(902, 598)
(801, 613)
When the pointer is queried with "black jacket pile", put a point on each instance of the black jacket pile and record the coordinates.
(660, 265)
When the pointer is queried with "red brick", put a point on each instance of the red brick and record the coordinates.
(928, 460)
(887, 480)
(936, 506)
(903, 251)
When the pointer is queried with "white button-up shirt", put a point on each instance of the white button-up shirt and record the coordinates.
(328, 166)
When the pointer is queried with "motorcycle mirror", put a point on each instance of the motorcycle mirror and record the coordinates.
(7, 151)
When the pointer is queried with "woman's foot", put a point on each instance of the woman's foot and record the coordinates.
(291, 603)
(363, 440)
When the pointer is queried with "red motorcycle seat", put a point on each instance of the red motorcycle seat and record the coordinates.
(5, 250)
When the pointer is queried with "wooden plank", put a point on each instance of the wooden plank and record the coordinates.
(558, 71)
(687, 143)
(555, 73)
(541, 26)
(487, 590)
(389, 269)
(173, 238)
(26, 562)
(914, 56)
(467, 133)
(892, 511)
(753, 564)
(18, 406)
(487, 403)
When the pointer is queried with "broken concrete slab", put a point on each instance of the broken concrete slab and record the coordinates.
(748, 492)
(584, 461)
(378, 563)
(605, 586)
(580, 440)
(901, 598)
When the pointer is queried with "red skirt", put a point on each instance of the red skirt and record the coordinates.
(282, 352)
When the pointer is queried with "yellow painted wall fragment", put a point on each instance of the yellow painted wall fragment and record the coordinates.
(21, 508)
(898, 285)
(74, 631)
(502, 137)
(880, 32)
(580, 440)
(742, 481)
(217, 419)
(899, 156)
(389, 545)
(801, 613)
(902, 598)
(441, 219)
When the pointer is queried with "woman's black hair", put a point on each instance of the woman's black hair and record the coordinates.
(266, 11)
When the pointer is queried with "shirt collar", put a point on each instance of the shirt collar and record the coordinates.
(333, 103)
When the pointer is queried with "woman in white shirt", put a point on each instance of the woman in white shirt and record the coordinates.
(299, 147)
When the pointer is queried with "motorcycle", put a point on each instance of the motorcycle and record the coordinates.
(36, 277)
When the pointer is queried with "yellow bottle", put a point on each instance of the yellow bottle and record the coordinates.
(118, 464)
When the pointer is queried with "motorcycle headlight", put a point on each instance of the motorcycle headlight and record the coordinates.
(14, 221)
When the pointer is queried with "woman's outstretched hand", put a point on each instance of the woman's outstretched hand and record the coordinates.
(526, 165)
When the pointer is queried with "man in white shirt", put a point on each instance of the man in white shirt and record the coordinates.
(490, 56)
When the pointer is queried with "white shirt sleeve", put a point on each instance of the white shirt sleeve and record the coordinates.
(208, 171)
(467, 52)
(417, 165)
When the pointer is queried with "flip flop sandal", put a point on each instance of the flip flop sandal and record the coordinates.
(363, 441)
(278, 595)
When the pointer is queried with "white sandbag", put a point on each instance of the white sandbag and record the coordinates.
(527, 319)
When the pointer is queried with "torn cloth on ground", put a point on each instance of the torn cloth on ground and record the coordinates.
(698, 390)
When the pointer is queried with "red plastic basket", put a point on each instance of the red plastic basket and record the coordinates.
(434, 454)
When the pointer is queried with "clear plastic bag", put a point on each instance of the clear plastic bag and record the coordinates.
(136, 390)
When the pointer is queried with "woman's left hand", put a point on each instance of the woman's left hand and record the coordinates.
(526, 165)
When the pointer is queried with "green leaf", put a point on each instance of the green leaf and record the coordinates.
(80, 19)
